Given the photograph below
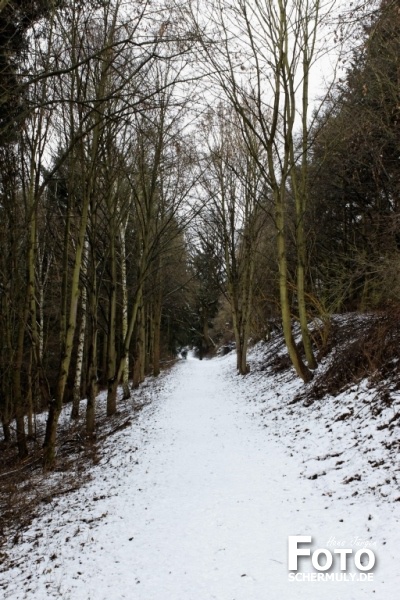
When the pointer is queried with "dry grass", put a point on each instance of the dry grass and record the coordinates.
(358, 347)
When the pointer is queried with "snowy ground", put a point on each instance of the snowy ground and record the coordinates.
(195, 500)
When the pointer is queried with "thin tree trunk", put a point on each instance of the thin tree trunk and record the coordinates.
(17, 396)
(92, 372)
(142, 343)
(29, 396)
(92, 354)
(76, 396)
(6, 432)
(64, 275)
(112, 324)
(148, 341)
(104, 357)
(156, 337)
(301, 301)
(204, 340)
(125, 357)
(138, 366)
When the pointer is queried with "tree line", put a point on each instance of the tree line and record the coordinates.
(166, 180)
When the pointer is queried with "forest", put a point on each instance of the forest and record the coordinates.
(182, 174)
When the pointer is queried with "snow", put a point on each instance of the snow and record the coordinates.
(196, 498)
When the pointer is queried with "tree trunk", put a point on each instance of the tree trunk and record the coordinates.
(76, 397)
(125, 357)
(244, 367)
(301, 302)
(148, 341)
(17, 395)
(204, 340)
(138, 366)
(92, 379)
(156, 338)
(294, 354)
(21, 436)
(112, 378)
(112, 324)
(6, 432)
(29, 396)
(142, 343)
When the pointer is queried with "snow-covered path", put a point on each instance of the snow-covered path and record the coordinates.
(200, 510)
(215, 493)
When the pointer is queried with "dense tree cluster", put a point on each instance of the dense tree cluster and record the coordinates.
(163, 183)
(355, 181)
(92, 185)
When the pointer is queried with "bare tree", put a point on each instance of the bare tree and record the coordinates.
(234, 191)
(262, 63)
